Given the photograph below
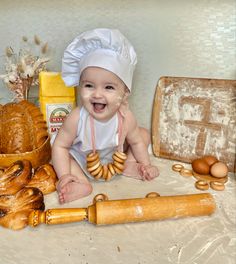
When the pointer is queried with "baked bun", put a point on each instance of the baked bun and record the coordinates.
(44, 178)
(15, 209)
(15, 177)
(22, 128)
(21, 192)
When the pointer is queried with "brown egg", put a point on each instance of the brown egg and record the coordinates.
(219, 170)
(200, 166)
(210, 160)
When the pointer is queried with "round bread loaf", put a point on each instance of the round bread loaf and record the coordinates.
(22, 128)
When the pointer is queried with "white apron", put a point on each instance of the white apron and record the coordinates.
(106, 135)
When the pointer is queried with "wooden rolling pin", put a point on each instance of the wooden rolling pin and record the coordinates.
(105, 212)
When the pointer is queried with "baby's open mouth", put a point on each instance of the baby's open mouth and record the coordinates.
(98, 107)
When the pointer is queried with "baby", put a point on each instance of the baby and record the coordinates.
(101, 62)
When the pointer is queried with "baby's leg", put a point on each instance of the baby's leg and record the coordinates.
(132, 167)
(77, 188)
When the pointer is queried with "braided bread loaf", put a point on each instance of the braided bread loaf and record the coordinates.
(22, 128)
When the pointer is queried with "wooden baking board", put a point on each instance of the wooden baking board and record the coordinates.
(193, 117)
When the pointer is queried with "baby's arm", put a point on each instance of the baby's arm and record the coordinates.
(135, 140)
(62, 143)
(69, 186)
(139, 148)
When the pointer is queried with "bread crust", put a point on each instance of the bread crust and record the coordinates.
(22, 128)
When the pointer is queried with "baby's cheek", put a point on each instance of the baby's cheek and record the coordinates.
(85, 94)
(118, 100)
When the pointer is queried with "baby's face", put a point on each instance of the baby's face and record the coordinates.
(101, 92)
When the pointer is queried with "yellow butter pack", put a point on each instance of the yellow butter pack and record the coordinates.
(56, 99)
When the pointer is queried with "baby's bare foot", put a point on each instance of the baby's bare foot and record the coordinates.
(61, 198)
(73, 191)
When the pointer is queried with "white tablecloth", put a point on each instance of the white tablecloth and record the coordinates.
(205, 239)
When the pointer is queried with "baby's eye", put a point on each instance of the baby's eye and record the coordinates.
(87, 85)
(109, 87)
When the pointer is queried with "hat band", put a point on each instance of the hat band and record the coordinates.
(109, 60)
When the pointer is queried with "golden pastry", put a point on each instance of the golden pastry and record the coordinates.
(177, 167)
(202, 185)
(44, 178)
(15, 177)
(15, 209)
(217, 186)
(186, 172)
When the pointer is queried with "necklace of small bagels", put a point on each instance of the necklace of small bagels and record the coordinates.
(94, 165)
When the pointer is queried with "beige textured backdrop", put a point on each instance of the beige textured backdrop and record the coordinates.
(176, 38)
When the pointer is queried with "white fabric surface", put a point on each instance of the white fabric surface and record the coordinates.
(198, 240)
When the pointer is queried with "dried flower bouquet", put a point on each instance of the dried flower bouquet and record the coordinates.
(22, 69)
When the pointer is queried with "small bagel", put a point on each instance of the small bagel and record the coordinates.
(186, 172)
(95, 172)
(100, 198)
(104, 171)
(92, 163)
(109, 175)
(177, 167)
(118, 165)
(217, 186)
(111, 169)
(94, 167)
(152, 195)
(115, 158)
(117, 170)
(99, 175)
(92, 156)
(121, 155)
(202, 185)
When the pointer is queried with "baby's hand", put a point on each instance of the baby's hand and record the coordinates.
(64, 187)
(148, 172)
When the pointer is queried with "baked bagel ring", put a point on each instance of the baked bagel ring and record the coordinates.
(202, 185)
(94, 167)
(116, 158)
(177, 167)
(104, 172)
(217, 186)
(96, 171)
(118, 165)
(111, 169)
(121, 155)
(92, 156)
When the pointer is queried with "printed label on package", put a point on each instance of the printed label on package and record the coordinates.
(56, 114)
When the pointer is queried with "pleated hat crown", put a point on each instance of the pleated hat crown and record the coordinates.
(101, 47)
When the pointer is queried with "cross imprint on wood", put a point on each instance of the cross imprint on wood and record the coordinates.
(204, 124)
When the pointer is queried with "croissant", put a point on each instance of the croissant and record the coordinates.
(15, 209)
(44, 178)
(15, 177)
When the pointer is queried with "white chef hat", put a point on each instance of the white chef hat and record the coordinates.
(101, 47)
